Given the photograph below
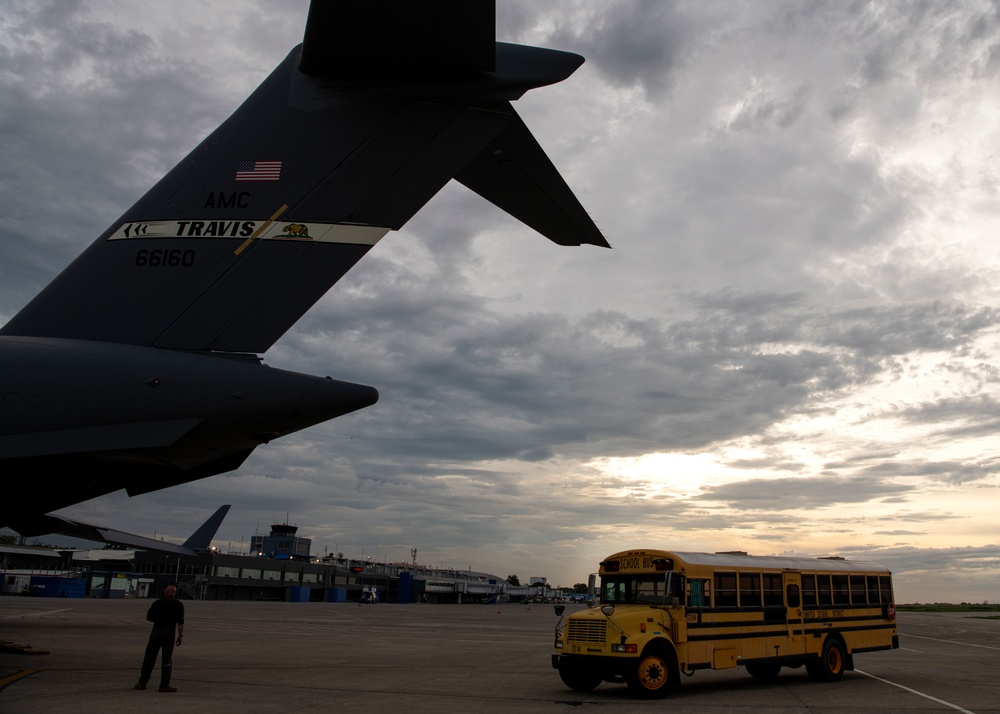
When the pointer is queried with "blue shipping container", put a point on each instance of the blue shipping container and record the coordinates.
(53, 586)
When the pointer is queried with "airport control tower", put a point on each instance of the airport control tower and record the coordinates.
(282, 543)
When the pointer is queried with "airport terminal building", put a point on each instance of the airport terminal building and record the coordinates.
(272, 572)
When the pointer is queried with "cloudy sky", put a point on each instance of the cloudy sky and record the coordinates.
(792, 347)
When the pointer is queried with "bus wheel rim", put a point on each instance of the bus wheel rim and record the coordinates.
(834, 662)
(653, 672)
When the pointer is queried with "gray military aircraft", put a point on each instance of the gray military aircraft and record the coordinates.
(198, 542)
(138, 367)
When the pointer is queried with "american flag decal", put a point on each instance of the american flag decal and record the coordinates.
(258, 171)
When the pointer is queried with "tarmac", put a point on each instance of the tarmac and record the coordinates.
(317, 657)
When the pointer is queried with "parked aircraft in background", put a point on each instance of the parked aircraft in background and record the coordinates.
(138, 367)
(199, 542)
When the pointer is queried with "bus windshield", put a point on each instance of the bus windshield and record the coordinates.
(658, 589)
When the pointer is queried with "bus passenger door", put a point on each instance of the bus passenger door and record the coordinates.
(792, 583)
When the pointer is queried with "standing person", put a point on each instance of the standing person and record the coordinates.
(165, 614)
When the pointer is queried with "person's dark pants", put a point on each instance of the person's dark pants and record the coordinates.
(158, 640)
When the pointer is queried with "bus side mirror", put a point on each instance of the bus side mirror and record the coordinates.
(560, 609)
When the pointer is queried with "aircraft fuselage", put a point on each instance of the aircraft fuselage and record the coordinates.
(137, 409)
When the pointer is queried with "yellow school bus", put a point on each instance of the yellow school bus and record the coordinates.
(662, 614)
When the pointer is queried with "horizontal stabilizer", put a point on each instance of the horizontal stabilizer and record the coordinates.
(513, 173)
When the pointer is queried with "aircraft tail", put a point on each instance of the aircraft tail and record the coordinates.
(383, 103)
(201, 539)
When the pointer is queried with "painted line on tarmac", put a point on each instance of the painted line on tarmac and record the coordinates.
(919, 694)
(910, 649)
(35, 614)
(6, 681)
(954, 642)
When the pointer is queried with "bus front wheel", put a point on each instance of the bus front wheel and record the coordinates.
(831, 663)
(651, 678)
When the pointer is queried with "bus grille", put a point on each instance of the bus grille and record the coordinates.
(586, 630)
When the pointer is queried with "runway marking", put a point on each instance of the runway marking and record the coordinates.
(14, 677)
(919, 694)
(35, 614)
(955, 642)
(910, 649)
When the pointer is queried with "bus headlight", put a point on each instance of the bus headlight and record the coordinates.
(559, 644)
(625, 648)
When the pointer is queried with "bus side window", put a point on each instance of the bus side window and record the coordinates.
(823, 590)
(873, 589)
(750, 590)
(885, 586)
(840, 593)
(809, 590)
(772, 590)
(698, 594)
(858, 594)
(725, 589)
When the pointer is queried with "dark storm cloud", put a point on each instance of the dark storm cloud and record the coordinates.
(640, 43)
(930, 326)
(630, 44)
(944, 472)
(931, 560)
(969, 416)
(459, 382)
(785, 494)
(92, 116)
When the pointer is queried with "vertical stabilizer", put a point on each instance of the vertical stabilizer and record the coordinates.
(201, 539)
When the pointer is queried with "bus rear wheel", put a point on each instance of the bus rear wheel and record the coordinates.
(830, 665)
(652, 676)
(579, 677)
